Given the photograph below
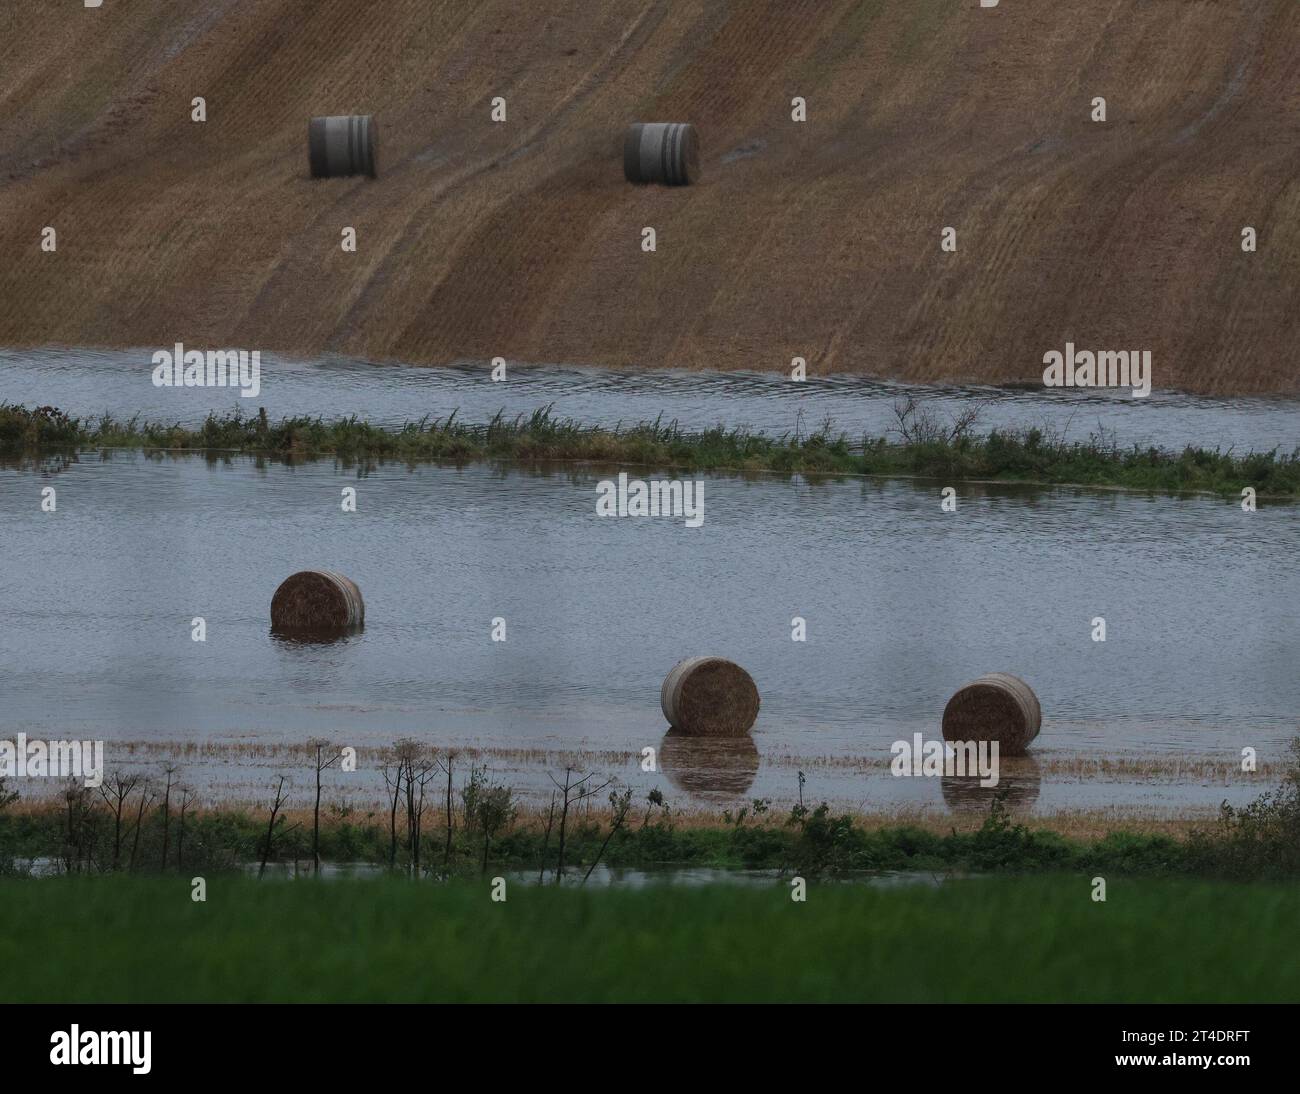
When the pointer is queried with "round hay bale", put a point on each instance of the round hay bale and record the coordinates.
(996, 707)
(317, 602)
(666, 152)
(711, 767)
(709, 697)
(343, 144)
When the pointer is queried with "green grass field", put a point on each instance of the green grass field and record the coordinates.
(995, 939)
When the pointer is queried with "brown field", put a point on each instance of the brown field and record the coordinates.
(522, 240)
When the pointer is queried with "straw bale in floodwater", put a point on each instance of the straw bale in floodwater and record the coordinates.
(317, 602)
(709, 697)
(996, 707)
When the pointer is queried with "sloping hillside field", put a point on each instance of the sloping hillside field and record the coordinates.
(520, 238)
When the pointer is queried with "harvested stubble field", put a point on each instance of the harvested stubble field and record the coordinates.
(1138, 767)
(521, 239)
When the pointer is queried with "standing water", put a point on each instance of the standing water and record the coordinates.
(903, 602)
(90, 383)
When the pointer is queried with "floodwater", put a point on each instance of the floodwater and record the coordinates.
(903, 603)
(621, 877)
(91, 383)
(601, 876)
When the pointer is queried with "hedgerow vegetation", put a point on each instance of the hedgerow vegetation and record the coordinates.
(919, 445)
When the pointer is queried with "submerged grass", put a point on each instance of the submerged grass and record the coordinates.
(989, 939)
(918, 449)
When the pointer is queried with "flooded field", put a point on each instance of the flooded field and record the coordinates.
(903, 604)
(87, 382)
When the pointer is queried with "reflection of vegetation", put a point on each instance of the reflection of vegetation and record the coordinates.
(919, 446)
(987, 939)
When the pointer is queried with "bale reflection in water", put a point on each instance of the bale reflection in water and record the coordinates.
(330, 641)
(711, 766)
(1019, 778)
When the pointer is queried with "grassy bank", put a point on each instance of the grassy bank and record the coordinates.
(919, 447)
(814, 842)
(1040, 939)
(81, 833)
